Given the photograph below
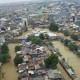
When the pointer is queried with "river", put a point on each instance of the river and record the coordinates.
(59, 67)
(9, 68)
(69, 56)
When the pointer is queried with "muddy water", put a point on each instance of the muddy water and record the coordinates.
(9, 69)
(59, 67)
(63, 72)
(69, 56)
(29, 31)
(25, 33)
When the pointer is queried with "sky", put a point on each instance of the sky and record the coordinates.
(9, 1)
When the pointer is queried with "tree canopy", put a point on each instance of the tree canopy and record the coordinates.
(36, 40)
(73, 47)
(51, 62)
(53, 27)
(74, 37)
(66, 33)
(4, 48)
(17, 48)
(42, 36)
(4, 54)
(18, 60)
(4, 58)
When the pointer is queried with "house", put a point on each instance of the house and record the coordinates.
(52, 36)
(25, 59)
(54, 75)
(2, 40)
(38, 32)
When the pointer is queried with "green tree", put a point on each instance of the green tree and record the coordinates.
(66, 42)
(66, 33)
(4, 55)
(4, 48)
(42, 36)
(51, 62)
(36, 40)
(74, 37)
(73, 47)
(18, 60)
(17, 48)
(4, 58)
(53, 27)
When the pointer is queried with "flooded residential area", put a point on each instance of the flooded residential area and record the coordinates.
(39, 40)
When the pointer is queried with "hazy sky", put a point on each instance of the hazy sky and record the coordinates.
(8, 1)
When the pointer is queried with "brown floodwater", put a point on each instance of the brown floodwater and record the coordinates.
(45, 29)
(69, 56)
(59, 67)
(9, 69)
(63, 72)
(29, 31)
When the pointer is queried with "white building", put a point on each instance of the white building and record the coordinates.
(52, 36)
(38, 32)
(3, 20)
(2, 40)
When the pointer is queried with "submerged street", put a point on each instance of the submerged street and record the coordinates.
(9, 69)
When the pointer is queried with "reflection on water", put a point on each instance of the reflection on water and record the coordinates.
(9, 69)
(69, 56)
